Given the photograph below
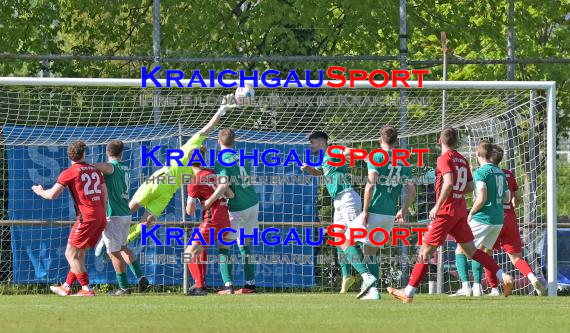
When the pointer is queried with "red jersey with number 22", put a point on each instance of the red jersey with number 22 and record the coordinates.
(454, 162)
(84, 183)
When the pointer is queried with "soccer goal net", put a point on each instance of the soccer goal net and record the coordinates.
(39, 117)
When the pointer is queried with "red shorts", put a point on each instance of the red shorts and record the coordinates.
(443, 225)
(219, 221)
(510, 238)
(86, 234)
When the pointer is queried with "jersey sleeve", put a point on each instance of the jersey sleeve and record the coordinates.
(514, 186)
(378, 158)
(444, 165)
(193, 190)
(65, 178)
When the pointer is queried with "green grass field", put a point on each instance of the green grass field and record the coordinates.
(281, 313)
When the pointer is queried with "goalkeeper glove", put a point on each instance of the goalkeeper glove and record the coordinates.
(226, 107)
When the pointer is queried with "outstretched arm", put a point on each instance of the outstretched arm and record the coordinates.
(105, 168)
(216, 118)
(50, 194)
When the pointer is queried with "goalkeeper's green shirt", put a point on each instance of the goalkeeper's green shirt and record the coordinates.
(244, 193)
(492, 178)
(338, 178)
(118, 189)
(388, 186)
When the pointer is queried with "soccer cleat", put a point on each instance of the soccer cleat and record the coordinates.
(100, 248)
(119, 292)
(228, 290)
(367, 283)
(247, 289)
(467, 292)
(477, 290)
(347, 282)
(494, 292)
(373, 294)
(83, 292)
(399, 294)
(507, 285)
(143, 284)
(60, 290)
(197, 292)
(539, 287)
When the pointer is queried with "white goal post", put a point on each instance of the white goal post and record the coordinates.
(548, 87)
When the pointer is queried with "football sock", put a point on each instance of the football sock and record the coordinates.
(418, 273)
(487, 261)
(248, 267)
(410, 291)
(202, 265)
(344, 265)
(461, 264)
(524, 268)
(491, 279)
(196, 272)
(135, 267)
(355, 258)
(83, 279)
(477, 270)
(122, 280)
(225, 266)
(71, 277)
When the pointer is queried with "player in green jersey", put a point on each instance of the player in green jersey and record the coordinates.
(486, 216)
(381, 196)
(347, 206)
(117, 178)
(243, 210)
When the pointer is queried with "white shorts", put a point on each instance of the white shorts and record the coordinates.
(246, 219)
(385, 222)
(116, 232)
(347, 206)
(485, 234)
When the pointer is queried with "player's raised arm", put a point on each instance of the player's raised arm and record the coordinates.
(105, 168)
(49, 194)
(311, 170)
(217, 116)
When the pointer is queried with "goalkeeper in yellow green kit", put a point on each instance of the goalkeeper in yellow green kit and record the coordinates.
(154, 195)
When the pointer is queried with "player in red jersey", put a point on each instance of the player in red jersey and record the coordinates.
(510, 238)
(217, 217)
(89, 193)
(449, 216)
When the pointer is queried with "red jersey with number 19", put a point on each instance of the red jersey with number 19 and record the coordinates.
(452, 161)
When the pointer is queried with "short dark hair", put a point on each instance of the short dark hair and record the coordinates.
(76, 151)
(449, 136)
(485, 149)
(227, 137)
(203, 151)
(115, 148)
(319, 135)
(389, 134)
(497, 155)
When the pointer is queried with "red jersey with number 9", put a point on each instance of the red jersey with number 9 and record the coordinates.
(84, 183)
(454, 162)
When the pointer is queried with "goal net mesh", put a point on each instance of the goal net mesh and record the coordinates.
(39, 121)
